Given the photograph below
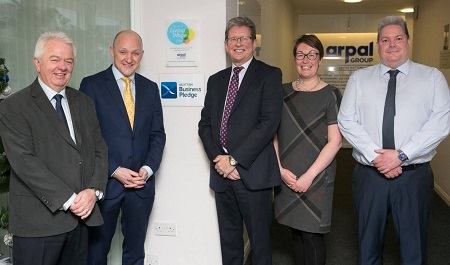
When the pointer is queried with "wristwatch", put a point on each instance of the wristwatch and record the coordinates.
(233, 161)
(98, 193)
(402, 156)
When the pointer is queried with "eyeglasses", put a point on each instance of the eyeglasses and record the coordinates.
(311, 56)
(243, 39)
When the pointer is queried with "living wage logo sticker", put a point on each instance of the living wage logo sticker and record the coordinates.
(178, 33)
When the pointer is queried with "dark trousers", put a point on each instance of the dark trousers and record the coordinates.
(134, 220)
(407, 197)
(238, 205)
(309, 248)
(70, 248)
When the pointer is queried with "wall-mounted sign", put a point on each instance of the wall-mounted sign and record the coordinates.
(181, 43)
(444, 59)
(446, 30)
(346, 53)
(181, 90)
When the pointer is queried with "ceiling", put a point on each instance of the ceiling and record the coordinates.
(306, 7)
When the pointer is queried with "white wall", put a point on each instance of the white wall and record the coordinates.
(182, 185)
(278, 35)
(429, 29)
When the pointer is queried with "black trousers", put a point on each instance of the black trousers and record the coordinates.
(407, 197)
(70, 248)
(309, 248)
(238, 205)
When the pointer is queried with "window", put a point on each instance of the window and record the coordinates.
(91, 24)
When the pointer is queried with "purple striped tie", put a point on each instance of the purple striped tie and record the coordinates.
(232, 92)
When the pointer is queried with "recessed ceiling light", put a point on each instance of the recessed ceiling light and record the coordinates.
(407, 10)
(352, 1)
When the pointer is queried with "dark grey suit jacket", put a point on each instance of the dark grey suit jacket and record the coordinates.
(252, 125)
(47, 166)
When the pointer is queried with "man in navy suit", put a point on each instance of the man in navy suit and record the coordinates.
(131, 121)
(237, 138)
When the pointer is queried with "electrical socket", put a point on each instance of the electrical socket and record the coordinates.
(165, 229)
(151, 259)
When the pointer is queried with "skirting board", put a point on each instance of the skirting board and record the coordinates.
(247, 249)
(442, 194)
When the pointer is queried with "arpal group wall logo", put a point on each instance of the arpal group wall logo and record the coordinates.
(169, 90)
(178, 33)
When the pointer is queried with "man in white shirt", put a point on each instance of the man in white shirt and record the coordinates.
(393, 174)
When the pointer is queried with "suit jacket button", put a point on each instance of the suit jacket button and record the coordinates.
(80, 163)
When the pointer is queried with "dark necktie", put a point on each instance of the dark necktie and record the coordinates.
(389, 112)
(60, 111)
(232, 92)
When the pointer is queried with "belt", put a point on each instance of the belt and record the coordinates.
(413, 166)
(404, 168)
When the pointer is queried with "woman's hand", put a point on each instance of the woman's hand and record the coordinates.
(303, 183)
(288, 177)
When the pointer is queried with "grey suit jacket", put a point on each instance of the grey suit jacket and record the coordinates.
(47, 166)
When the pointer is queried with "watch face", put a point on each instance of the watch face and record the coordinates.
(402, 156)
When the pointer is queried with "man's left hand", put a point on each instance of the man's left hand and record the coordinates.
(84, 203)
(386, 160)
(139, 181)
(223, 166)
(234, 175)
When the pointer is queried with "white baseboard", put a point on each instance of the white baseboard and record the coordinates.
(442, 194)
(247, 249)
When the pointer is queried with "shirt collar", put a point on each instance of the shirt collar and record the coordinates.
(118, 75)
(50, 93)
(245, 65)
(404, 68)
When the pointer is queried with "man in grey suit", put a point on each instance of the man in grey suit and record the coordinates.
(58, 161)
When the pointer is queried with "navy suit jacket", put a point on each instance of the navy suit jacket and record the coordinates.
(252, 124)
(128, 148)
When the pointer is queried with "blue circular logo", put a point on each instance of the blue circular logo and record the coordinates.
(177, 33)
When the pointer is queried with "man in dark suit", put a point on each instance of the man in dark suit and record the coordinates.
(237, 128)
(131, 120)
(58, 164)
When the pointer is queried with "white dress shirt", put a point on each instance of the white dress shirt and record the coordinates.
(422, 117)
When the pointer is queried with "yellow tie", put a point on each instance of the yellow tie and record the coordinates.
(128, 99)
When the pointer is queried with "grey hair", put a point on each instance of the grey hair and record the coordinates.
(241, 22)
(392, 20)
(46, 37)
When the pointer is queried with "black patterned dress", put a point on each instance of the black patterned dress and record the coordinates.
(302, 134)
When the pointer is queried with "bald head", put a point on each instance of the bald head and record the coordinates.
(128, 33)
(127, 51)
